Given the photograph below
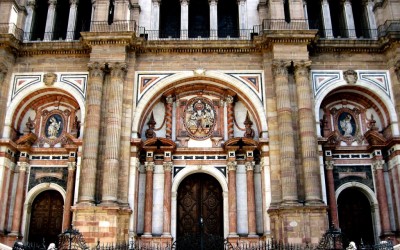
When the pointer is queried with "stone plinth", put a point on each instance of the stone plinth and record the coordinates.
(107, 224)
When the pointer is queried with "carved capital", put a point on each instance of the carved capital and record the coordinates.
(23, 166)
(329, 165)
(378, 164)
(118, 70)
(232, 165)
(149, 166)
(31, 3)
(229, 99)
(280, 68)
(96, 69)
(71, 166)
(301, 69)
(167, 166)
(73, 2)
(169, 99)
(52, 2)
(250, 165)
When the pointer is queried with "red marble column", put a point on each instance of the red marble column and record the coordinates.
(251, 205)
(167, 199)
(19, 199)
(148, 205)
(232, 199)
(329, 165)
(69, 196)
(382, 197)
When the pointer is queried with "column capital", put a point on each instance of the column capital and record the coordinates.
(73, 2)
(149, 166)
(250, 165)
(280, 68)
(52, 2)
(184, 2)
(118, 70)
(231, 166)
(378, 164)
(23, 166)
(229, 99)
(302, 67)
(96, 69)
(169, 99)
(329, 165)
(167, 166)
(71, 166)
(31, 3)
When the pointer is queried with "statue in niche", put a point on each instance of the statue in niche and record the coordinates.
(150, 131)
(249, 132)
(29, 126)
(372, 123)
(53, 127)
(346, 124)
(49, 79)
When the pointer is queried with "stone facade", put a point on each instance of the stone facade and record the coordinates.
(282, 115)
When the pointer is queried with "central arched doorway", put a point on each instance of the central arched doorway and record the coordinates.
(199, 206)
(46, 217)
(355, 217)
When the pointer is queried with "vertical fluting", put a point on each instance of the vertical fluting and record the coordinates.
(87, 186)
(288, 170)
(309, 145)
(382, 197)
(113, 132)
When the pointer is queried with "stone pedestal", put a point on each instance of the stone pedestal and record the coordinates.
(107, 224)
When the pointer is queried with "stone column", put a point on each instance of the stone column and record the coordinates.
(382, 197)
(69, 195)
(232, 198)
(73, 10)
(348, 13)
(113, 132)
(51, 16)
(3, 73)
(266, 194)
(167, 199)
(184, 19)
(329, 165)
(284, 112)
(168, 117)
(213, 19)
(19, 198)
(230, 109)
(155, 18)
(308, 133)
(326, 15)
(242, 16)
(148, 205)
(369, 8)
(30, 10)
(251, 203)
(87, 186)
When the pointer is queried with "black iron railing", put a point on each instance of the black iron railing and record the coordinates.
(240, 34)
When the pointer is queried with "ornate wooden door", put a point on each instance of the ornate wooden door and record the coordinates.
(199, 206)
(46, 217)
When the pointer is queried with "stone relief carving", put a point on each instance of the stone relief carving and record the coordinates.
(350, 76)
(49, 79)
(199, 118)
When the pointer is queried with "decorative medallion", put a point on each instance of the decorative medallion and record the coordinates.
(49, 79)
(200, 118)
(54, 126)
(346, 124)
(350, 76)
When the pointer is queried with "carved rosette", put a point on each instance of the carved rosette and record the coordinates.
(199, 118)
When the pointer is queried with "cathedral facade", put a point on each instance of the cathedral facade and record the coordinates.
(158, 119)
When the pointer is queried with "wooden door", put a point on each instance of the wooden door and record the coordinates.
(46, 217)
(199, 206)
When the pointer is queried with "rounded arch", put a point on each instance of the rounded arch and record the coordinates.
(215, 78)
(189, 170)
(21, 102)
(362, 88)
(30, 197)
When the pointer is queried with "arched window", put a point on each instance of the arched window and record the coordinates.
(199, 18)
(228, 23)
(314, 12)
(39, 20)
(170, 18)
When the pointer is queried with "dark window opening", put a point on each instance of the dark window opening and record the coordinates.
(315, 19)
(61, 20)
(228, 21)
(199, 18)
(338, 19)
(360, 19)
(286, 10)
(83, 17)
(39, 20)
(170, 18)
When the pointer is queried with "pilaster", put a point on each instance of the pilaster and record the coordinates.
(19, 199)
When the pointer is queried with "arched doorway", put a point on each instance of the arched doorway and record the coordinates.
(46, 217)
(199, 206)
(355, 217)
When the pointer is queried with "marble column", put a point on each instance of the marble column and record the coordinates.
(168, 117)
(348, 13)
(7, 176)
(213, 19)
(308, 133)
(30, 10)
(87, 186)
(329, 165)
(73, 11)
(242, 15)
(19, 198)
(69, 196)
(326, 15)
(184, 19)
(155, 18)
(230, 109)
(251, 203)
(285, 124)
(51, 16)
(167, 199)
(232, 198)
(148, 205)
(382, 197)
(369, 8)
(113, 132)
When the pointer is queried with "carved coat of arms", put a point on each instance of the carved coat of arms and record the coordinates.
(199, 118)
